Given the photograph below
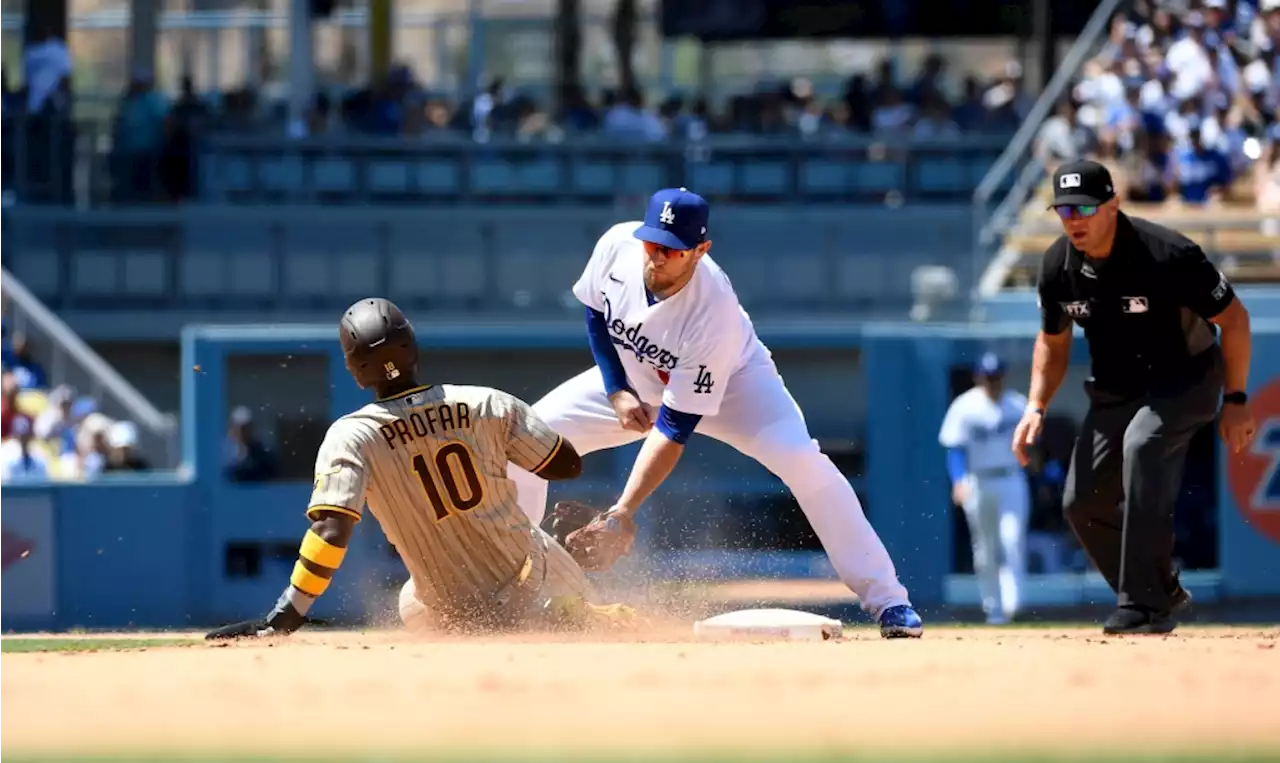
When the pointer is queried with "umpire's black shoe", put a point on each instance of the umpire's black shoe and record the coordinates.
(1136, 620)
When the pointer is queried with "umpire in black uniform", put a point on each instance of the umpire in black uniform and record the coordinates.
(1148, 301)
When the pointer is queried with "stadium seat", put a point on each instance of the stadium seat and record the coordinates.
(591, 178)
(711, 178)
(281, 175)
(823, 177)
(334, 175)
(942, 176)
(438, 176)
(388, 177)
(641, 177)
(877, 177)
(765, 178)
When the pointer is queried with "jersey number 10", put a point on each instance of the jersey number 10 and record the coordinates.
(458, 453)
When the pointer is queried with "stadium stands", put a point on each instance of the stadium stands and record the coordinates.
(1182, 106)
(209, 146)
(51, 429)
(598, 170)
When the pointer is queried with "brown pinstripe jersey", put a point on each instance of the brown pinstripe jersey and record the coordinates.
(431, 464)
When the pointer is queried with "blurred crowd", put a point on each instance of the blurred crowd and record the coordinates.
(1182, 102)
(935, 102)
(56, 433)
(153, 133)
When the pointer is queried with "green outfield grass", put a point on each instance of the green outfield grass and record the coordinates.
(87, 644)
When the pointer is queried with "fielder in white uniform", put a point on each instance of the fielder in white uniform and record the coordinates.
(431, 462)
(989, 485)
(676, 353)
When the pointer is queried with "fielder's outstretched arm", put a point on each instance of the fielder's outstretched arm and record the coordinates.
(695, 389)
(657, 458)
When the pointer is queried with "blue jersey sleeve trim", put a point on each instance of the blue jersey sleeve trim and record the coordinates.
(606, 356)
(957, 464)
(677, 426)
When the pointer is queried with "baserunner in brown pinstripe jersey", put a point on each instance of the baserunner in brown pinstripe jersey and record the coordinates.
(430, 461)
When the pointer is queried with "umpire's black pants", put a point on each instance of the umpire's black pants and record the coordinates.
(1124, 479)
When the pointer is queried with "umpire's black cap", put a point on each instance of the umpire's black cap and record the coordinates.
(378, 342)
(1082, 183)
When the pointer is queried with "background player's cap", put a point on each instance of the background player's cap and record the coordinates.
(1082, 183)
(989, 365)
(677, 219)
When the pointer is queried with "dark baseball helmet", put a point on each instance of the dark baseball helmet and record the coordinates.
(378, 342)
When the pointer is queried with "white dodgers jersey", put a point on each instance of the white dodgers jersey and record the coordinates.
(681, 351)
(432, 465)
(983, 428)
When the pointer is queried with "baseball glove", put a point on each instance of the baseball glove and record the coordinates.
(602, 541)
(565, 517)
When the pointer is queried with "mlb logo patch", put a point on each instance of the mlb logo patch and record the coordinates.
(1133, 305)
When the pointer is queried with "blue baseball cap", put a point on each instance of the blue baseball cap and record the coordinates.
(989, 365)
(676, 218)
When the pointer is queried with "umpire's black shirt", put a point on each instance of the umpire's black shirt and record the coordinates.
(1144, 310)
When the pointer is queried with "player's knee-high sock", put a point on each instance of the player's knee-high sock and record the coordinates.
(856, 551)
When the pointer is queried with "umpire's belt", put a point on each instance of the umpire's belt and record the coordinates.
(990, 474)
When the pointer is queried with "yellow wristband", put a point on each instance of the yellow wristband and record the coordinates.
(319, 551)
(307, 581)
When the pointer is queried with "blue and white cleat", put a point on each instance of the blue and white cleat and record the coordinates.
(900, 622)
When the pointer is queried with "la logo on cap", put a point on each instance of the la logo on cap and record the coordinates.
(668, 215)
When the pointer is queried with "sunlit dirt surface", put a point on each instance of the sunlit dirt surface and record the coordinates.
(957, 691)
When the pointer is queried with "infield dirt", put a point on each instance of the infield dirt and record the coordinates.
(956, 691)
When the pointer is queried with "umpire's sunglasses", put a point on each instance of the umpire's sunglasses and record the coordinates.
(1077, 211)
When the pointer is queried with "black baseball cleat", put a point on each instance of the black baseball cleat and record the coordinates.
(1138, 620)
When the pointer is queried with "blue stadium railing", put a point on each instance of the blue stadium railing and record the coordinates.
(592, 169)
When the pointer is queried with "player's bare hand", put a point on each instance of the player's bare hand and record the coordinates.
(959, 492)
(1237, 426)
(632, 414)
(1026, 435)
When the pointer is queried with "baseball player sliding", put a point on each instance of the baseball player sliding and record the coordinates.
(989, 485)
(431, 462)
(675, 354)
